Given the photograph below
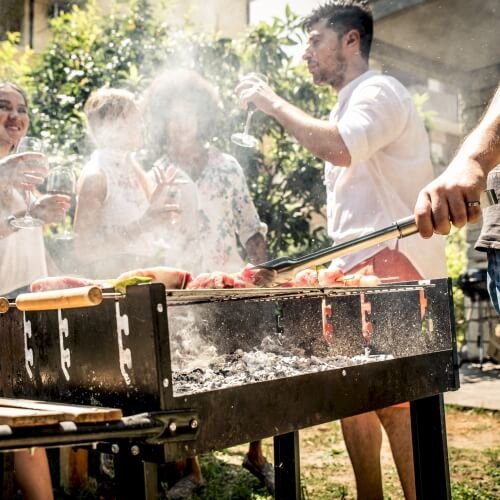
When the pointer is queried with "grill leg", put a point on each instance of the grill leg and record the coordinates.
(430, 450)
(135, 479)
(287, 466)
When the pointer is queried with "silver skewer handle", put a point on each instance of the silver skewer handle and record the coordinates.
(399, 229)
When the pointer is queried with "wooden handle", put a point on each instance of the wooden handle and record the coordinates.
(4, 305)
(60, 299)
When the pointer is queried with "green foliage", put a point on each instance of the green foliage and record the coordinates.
(457, 264)
(128, 49)
(15, 63)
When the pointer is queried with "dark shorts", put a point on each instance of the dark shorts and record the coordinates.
(494, 278)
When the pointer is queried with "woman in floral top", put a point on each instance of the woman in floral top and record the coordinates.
(227, 220)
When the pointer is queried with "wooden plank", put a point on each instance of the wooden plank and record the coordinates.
(20, 417)
(75, 413)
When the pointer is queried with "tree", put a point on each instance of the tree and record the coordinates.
(87, 52)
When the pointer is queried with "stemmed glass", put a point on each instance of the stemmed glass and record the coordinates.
(171, 201)
(28, 145)
(245, 139)
(62, 180)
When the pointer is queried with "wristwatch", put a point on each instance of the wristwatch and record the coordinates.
(10, 219)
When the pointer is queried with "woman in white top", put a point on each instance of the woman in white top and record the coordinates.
(113, 212)
(22, 252)
(23, 257)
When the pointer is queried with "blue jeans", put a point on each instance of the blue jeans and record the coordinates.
(494, 278)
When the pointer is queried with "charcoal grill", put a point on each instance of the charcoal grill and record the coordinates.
(118, 354)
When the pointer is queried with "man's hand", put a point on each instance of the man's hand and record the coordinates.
(444, 201)
(23, 170)
(252, 90)
(51, 207)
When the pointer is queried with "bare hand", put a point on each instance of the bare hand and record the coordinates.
(24, 170)
(51, 207)
(444, 201)
(252, 90)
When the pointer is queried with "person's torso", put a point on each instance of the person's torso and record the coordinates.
(490, 230)
(23, 252)
(372, 194)
(125, 202)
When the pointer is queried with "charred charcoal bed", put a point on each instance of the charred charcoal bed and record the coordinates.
(224, 343)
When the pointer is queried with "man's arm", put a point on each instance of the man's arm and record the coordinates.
(320, 137)
(445, 199)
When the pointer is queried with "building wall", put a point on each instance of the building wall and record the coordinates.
(227, 17)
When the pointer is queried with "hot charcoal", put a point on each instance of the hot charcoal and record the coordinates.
(198, 367)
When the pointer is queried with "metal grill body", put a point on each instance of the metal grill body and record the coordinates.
(118, 355)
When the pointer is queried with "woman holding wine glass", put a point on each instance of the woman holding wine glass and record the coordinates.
(23, 257)
(181, 136)
(115, 207)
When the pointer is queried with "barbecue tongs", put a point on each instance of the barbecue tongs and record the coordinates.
(287, 267)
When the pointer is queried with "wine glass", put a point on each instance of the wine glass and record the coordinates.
(28, 145)
(62, 180)
(171, 201)
(245, 139)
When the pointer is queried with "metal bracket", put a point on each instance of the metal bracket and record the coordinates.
(367, 325)
(124, 354)
(65, 352)
(177, 426)
(326, 310)
(28, 351)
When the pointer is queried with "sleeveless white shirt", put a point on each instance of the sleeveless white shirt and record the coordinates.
(22, 254)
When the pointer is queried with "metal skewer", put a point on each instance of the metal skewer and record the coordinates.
(287, 267)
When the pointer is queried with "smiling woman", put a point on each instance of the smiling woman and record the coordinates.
(17, 267)
(23, 253)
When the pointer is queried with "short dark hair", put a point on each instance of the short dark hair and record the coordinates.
(180, 85)
(343, 16)
(17, 88)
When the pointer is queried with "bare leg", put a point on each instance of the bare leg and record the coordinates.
(363, 438)
(255, 454)
(33, 475)
(194, 468)
(397, 425)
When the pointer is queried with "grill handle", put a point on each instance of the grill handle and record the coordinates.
(399, 229)
(287, 267)
(60, 299)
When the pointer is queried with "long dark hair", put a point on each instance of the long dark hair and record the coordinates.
(173, 86)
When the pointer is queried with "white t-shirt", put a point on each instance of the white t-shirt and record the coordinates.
(22, 253)
(390, 163)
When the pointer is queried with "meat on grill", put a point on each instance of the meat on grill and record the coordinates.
(248, 277)
(63, 282)
(169, 276)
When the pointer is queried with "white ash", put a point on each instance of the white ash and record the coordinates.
(271, 361)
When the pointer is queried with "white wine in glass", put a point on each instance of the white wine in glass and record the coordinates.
(62, 180)
(28, 145)
(245, 139)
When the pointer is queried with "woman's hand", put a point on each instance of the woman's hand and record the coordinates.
(23, 170)
(51, 207)
(160, 201)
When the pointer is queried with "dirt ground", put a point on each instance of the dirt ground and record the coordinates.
(473, 446)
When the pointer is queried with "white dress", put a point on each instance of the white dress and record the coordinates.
(22, 253)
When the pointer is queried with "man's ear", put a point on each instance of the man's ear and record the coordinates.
(352, 39)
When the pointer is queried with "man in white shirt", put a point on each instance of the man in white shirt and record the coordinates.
(377, 158)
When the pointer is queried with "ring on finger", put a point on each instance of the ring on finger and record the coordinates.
(471, 204)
